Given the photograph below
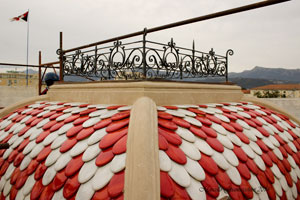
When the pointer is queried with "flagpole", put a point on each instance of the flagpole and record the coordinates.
(27, 48)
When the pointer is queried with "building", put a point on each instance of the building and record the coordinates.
(129, 75)
(13, 78)
(245, 91)
(283, 90)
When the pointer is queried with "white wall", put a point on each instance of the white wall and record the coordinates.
(10, 94)
(291, 105)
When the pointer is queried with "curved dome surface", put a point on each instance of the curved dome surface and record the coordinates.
(236, 150)
(210, 151)
(64, 151)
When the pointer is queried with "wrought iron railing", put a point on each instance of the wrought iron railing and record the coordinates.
(144, 60)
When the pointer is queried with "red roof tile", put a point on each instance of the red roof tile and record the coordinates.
(202, 151)
(46, 155)
(278, 87)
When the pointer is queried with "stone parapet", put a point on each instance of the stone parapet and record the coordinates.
(162, 93)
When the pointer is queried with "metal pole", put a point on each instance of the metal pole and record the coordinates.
(193, 56)
(40, 71)
(61, 67)
(188, 21)
(27, 48)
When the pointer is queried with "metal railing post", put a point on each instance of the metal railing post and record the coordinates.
(95, 60)
(228, 53)
(40, 72)
(226, 75)
(61, 55)
(193, 55)
(144, 54)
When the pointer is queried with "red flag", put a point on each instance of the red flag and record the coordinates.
(23, 17)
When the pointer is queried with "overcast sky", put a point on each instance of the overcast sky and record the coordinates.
(268, 37)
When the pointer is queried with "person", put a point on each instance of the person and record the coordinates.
(50, 78)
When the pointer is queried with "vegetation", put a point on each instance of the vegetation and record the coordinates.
(13, 72)
(269, 94)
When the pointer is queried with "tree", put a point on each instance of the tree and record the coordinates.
(267, 94)
(258, 94)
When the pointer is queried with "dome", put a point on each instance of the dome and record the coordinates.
(186, 141)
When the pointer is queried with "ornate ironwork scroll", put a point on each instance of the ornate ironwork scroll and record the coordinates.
(145, 60)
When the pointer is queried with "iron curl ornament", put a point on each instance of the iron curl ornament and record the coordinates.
(144, 59)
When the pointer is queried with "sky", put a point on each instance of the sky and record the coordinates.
(267, 37)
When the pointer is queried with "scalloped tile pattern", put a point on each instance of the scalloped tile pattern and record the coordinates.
(240, 150)
(64, 151)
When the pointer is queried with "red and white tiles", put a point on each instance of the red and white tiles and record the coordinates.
(239, 150)
(64, 151)
(78, 151)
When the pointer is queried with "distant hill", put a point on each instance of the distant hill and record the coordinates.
(248, 83)
(30, 71)
(75, 79)
(260, 76)
(269, 73)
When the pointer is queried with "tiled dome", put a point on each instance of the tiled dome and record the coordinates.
(64, 151)
(238, 150)
(78, 151)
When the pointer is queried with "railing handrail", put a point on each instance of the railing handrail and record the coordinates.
(140, 42)
(51, 63)
(184, 22)
(24, 65)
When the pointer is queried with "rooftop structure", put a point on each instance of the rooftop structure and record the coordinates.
(17, 79)
(284, 90)
(147, 138)
(278, 87)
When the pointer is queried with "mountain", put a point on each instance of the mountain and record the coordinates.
(260, 76)
(248, 83)
(279, 74)
(75, 79)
